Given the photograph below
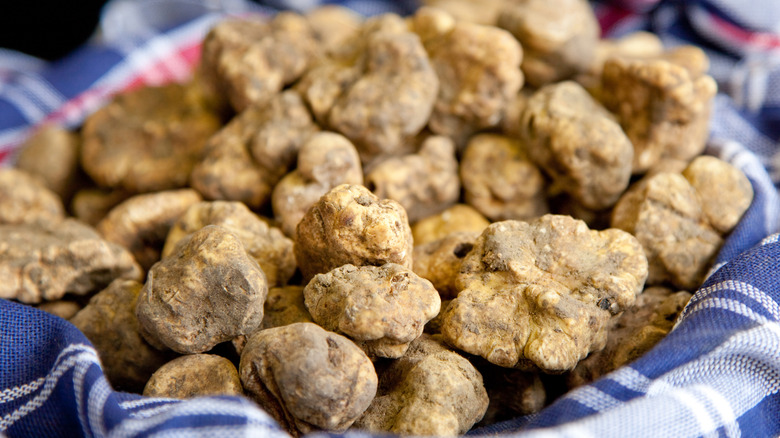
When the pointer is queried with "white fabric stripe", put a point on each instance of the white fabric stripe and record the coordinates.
(221, 431)
(132, 404)
(98, 395)
(695, 407)
(774, 238)
(42, 90)
(11, 60)
(163, 49)
(134, 426)
(594, 398)
(48, 388)
(78, 389)
(146, 413)
(28, 109)
(722, 408)
(726, 304)
(741, 287)
(630, 378)
(11, 394)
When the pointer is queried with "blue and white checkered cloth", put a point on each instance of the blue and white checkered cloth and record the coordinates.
(716, 374)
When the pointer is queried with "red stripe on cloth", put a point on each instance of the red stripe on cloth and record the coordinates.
(761, 40)
(610, 16)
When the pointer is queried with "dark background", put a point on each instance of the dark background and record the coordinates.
(47, 29)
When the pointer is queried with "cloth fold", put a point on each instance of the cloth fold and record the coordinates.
(716, 373)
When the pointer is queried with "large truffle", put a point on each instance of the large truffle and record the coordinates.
(246, 158)
(663, 103)
(307, 378)
(351, 225)
(574, 139)
(382, 308)
(540, 294)
(208, 291)
(558, 36)
(25, 199)
(478, 67)
(148, 139)
(45, 262)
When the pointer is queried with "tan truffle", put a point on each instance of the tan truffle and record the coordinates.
(459, 217)
(377, 88)
(392, 98)
(91, 205)
(424, 183)
(382, 308)
(665, 213)
(65, 309)
(439, 261)
(478, 70)
(142, 222)
(574, 139)
(52, 154)
(250, 60)
(307, 378)
(725, 191)
(109, 322)
(558, 36)
(246, 158)
(325, 160)
(632, 334)
(500, 181)
(25, 199)
(540, 294)
(333, 24)
(194, 375)
(45, 262)
(207, 292)
(267, 245)
(474, 11)
(350, 225)
(148, 139)
(663, 103)
(431, 391)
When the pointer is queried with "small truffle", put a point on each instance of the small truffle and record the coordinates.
(267, 245)
(142, 222)
(194, 375)
(307, 378)
(431, 391)
(208, 291)
(424, 183)
(539, 295)
(52, 154)
(350, 225)
(109, 322)
(439, 261)
(500, 181)
(382, 308)
(325, 160)
(24, 199)
(459, 217)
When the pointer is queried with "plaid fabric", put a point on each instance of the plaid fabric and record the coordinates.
(716, 374)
